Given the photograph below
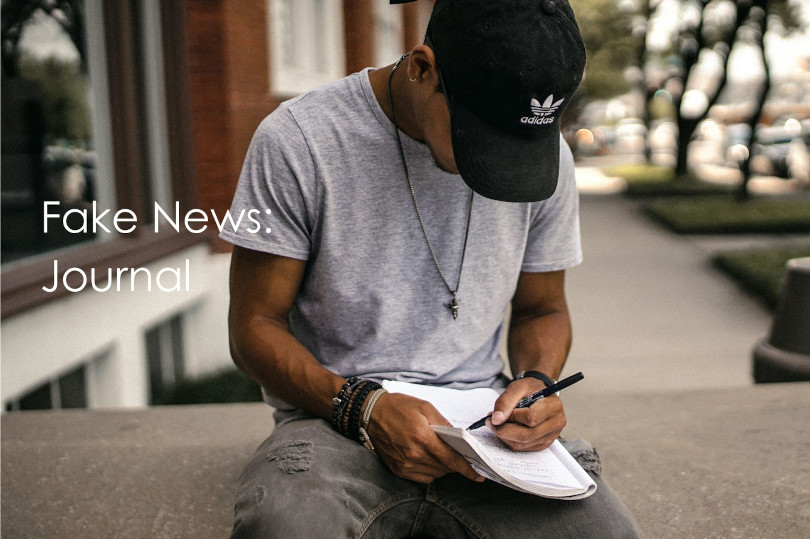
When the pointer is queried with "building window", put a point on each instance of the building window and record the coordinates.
(165, 358)
(95, 111)
(66, 391)
(306, 44)
(56, 121)
(48, 148)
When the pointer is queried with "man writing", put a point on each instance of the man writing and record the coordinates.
(383, 264)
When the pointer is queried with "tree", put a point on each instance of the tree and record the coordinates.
(62, 86)
(611, 48)
(16, 14)
(688, 62)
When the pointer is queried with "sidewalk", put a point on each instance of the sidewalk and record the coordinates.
(649, 312)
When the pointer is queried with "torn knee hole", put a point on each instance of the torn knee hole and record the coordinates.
(292, 457)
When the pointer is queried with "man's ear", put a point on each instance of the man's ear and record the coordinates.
(422, 65)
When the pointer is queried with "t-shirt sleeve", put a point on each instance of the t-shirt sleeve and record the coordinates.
(554, 235)
(276, 193)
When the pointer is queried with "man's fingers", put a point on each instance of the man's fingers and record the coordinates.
(445, 454)
(530, 429)
(534, 445)
(456, 463)
(505, 404)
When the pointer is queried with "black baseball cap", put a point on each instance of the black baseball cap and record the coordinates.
(509, 69)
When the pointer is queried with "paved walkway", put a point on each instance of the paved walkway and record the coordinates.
(649, 311)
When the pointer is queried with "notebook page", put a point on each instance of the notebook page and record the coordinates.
(461, 407)
(534, 466)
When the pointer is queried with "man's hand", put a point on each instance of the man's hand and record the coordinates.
(402, 437)
(527, 429)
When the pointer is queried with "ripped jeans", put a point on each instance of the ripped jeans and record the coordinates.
(307, 481)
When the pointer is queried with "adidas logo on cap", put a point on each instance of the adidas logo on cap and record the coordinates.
(542, 113)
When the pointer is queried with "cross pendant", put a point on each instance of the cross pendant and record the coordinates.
(454, 306)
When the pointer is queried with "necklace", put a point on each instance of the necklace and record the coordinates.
(455, 303)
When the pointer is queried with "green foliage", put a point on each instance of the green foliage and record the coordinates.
(64, 99)
(640, 173)
(229, 385)
(609, 45)
(683, 186)
(647, 180)
(760, 271)
(726, 215)
(662, 109)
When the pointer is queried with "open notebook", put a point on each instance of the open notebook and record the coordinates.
(551, 473)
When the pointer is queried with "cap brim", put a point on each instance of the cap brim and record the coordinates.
(501, 165)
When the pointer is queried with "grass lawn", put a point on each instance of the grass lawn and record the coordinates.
(646, 180)
(760, 271)
(725, 215)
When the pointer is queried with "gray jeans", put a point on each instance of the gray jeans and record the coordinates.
(307, 481)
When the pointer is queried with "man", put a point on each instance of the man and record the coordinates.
(379, 262)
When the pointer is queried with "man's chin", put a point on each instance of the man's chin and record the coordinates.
(451, 168)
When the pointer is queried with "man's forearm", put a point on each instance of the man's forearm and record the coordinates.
(271, 356)
(263, 289)
(539, 342)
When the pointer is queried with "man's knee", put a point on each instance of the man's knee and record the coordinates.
(307, 481)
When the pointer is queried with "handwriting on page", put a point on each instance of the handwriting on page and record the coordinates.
(533, 466)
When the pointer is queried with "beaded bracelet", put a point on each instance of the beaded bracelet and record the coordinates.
(345, 420)
(341, 401)
(356, 407)
(348, 405)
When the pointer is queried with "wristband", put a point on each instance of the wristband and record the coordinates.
(536, 374)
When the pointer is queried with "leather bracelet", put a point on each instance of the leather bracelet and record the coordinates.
(372, 400)
(546, 379)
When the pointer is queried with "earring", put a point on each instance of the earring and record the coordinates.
(413, 79)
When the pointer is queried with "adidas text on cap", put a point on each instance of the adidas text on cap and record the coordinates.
(509, 68)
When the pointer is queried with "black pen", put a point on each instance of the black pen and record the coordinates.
(525, 402)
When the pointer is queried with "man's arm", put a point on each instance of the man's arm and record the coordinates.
(539, 339)
(263, 288)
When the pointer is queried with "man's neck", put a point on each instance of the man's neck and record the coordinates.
(400, 95)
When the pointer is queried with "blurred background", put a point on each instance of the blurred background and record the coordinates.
(131, 102)
(718, 89)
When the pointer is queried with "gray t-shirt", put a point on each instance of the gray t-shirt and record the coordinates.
(323, 174)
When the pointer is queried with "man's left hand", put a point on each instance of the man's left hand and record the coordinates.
(527, 429)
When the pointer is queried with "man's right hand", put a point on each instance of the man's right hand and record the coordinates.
(400, 431)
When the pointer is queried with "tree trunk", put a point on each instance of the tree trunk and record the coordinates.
(761, 21)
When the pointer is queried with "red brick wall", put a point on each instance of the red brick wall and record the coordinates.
(358, 20)
(229, 80)
(230, 93)
(413, 32)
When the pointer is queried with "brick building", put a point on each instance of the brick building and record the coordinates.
(173, 92)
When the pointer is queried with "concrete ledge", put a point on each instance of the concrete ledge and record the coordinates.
(706, 463)
(162, 472)
(724, 463)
